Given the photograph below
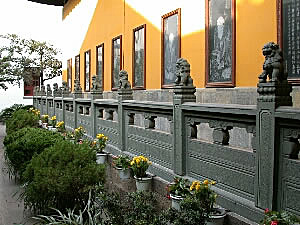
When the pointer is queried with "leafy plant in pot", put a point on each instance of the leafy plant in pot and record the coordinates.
(52, 123)
(100, 144)
(279, 218)
(178, 190)
(78, 133)
(44, 119)
(207, 197)
(122, 164)
(139, 165)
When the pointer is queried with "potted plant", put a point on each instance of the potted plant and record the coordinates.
(78, 133)
(178, 190)
(139, 165)
(207, 197)
(44, 121)
(60, 126)
(279, 218)
(122, 164)
(100, 143)
(51, 125)
(69, 136)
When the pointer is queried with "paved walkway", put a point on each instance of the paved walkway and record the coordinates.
(11, 210)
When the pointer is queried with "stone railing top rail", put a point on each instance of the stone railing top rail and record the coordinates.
(106, 102)
(83, 100)
(288, 112)
(221, 108)
(68, 99)
(149, 104)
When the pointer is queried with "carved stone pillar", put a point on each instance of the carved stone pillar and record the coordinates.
(77, 89)
(273, 93)
(184, 91)
(124, 93)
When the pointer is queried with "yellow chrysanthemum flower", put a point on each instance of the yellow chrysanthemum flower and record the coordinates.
(206, 182)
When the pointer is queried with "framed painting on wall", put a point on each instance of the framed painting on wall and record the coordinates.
(77, 67)
(171, 46)
(69, 73)
(139, 57)
(288, 22)
(100, 63)
(220, 43)
(87, 70)
(116, 60)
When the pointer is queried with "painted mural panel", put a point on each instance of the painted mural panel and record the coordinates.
(87, 57)
(77, 67)
(220, 41)
(116, 61)
(100, 63)
(171, 46)
(139, 57)
(291, 37)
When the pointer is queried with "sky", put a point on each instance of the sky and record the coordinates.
(32, 21)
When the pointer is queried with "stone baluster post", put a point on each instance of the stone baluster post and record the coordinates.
(273, 92)
(183, 92)
(96, 93)
(124, 93)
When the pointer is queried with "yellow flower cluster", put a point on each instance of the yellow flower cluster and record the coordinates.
(138, 160)
(45, 117)
(60, 124)
(79, 130)
(197, 184)
(102, 136)
(53, 118)
(35, 111)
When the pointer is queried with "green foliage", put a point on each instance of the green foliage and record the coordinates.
(20, 119)
(20, 146)
(7, 112)
(61, 177)
(191, 213)
(180, 187)
(136, 208)
(121, 162)
(90, 215)
(279, 218)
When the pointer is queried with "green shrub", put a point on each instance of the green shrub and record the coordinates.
(7, 112)
(191, 212)
(61, 177)
(20, 146)
(136, 208)
(20, 119)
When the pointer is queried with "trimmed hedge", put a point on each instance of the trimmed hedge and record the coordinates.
(20, 119)
(20, 146)
(61, 177)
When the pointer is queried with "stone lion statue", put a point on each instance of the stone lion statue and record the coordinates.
(273, 65)
(49, 91)
(43, 89)
(123, 81)
(77, 87)
(183, 71)
(96, 86)
(65, 86)
(55, 87)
